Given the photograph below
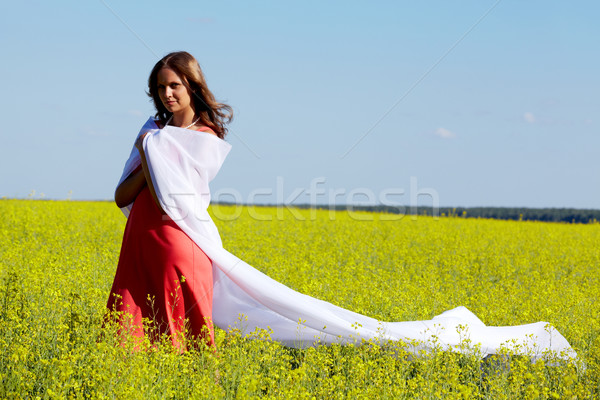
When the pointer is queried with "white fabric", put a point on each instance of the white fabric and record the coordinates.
(183, 162)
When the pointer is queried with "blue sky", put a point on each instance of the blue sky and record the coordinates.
(470, 103)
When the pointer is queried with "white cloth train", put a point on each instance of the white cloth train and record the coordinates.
(183, 162)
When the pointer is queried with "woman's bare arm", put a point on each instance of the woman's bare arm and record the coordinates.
(128, 190)
(147, 176)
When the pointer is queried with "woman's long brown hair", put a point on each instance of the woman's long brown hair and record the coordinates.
(213, 114)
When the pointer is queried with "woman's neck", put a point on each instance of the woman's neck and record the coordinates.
(183, 119)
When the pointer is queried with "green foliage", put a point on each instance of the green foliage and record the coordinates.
(568, 215)
(57, 262)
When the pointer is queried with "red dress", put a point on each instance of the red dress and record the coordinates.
(162, 276)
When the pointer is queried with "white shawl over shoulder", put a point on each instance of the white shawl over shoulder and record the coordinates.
(183, 162)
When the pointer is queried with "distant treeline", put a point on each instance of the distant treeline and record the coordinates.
(570, 215)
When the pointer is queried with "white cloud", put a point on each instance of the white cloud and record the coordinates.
(90, 131)
(444, 133)
(201, 20)
(135, 113)
(529, 117)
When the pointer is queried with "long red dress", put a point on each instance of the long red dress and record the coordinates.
(163, 276)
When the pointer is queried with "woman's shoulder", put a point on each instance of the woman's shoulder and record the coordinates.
(158, 123)
(204, 129)
(198, 127)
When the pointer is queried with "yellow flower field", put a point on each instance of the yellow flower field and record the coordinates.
(58, 258)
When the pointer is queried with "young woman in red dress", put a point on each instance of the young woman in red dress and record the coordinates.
(163, 277)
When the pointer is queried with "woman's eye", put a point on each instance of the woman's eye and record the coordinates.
(174, 85)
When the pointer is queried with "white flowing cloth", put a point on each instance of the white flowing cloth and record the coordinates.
(183, 162)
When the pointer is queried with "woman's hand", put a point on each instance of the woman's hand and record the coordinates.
(139, 142)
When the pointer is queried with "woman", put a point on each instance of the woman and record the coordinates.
(168, 257)
(162, 275)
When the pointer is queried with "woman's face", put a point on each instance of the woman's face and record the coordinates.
(172, 92)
